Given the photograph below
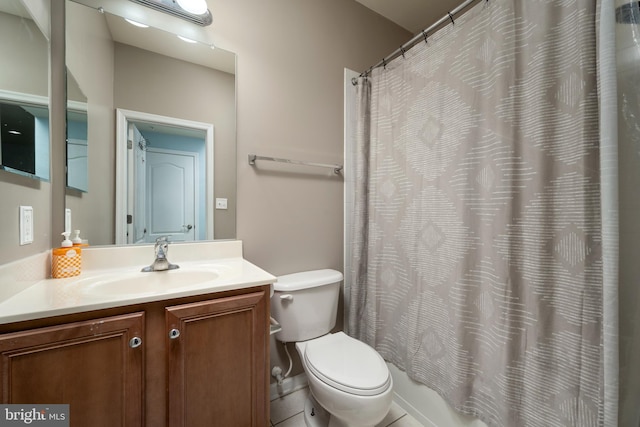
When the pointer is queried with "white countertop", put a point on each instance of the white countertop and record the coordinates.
(204, 269)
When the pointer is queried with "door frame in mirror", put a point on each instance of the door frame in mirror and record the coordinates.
(123, 117)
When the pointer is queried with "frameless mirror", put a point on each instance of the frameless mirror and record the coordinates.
(158, 136)
(24, 95)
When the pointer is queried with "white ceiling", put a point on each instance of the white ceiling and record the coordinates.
(14, 7)
(165, 43)
(413, 15)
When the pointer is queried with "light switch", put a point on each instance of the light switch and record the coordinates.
(26, 225)
(221, 203)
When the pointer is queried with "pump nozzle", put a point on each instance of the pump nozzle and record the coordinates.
(66, 243)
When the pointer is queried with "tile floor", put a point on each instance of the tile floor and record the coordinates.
(287, 411)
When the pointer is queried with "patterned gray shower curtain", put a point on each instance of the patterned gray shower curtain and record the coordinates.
(477, 255)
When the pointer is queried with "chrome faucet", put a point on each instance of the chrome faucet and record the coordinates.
(161, 262)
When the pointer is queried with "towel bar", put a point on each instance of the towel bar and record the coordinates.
(252, 161)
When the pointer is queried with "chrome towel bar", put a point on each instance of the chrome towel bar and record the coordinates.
(252, 161)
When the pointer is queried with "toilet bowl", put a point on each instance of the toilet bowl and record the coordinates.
(347, 378)
(349, 381)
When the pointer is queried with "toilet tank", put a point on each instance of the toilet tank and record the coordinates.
(305, 304)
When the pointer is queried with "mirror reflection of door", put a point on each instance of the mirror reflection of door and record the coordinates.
(163, 193)
(170, 197)
(137, 186)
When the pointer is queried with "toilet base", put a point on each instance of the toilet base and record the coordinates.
(314, 414)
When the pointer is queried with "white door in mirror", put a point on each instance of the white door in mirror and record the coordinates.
(171, 195)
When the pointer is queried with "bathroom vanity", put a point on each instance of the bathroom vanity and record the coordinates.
(191, 355)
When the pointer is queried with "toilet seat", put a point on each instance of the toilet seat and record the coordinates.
(347, 364)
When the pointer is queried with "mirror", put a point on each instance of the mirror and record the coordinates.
(24, 93)
(77, 140)
(149, 97)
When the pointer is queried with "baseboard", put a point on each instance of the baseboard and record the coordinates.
(413, 411)
(289, 385)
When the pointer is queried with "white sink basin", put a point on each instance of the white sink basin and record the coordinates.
(139, 283)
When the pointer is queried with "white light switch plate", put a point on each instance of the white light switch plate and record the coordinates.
(26, 225)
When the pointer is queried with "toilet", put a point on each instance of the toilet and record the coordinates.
(349, 381)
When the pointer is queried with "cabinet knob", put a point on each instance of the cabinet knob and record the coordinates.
(135, 342)
(174, 333)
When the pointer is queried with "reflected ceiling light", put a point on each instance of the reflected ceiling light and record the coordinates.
(197, 7)
(15, 132)
(136, 23)
(185, 39)
(181, 9)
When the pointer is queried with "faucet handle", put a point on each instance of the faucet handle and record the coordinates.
(162, 246)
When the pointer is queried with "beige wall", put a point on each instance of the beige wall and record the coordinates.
(27, 73)
(16, 191)
(291, 60)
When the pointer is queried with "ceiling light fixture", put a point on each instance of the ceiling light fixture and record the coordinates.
(136, 23)
(182, 9)
(197, 7)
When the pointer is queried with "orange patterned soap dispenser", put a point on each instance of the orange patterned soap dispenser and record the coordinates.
(66, 260)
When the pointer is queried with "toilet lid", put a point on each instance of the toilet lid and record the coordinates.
(347, 364)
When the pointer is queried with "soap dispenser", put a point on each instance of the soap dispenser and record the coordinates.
(77, 240)
(66, 261)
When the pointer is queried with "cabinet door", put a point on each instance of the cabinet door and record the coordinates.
(218, 362)
(91, 365)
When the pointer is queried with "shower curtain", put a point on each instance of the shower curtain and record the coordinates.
(484, 252)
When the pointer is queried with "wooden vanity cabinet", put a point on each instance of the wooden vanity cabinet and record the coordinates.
(201, 361)
(95, 366)
(217, 349)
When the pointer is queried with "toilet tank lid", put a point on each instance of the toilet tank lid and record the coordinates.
(306, 279)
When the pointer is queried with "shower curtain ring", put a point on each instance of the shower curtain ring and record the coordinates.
(424, 34)
(451, 17)
(384, 64)
(402, 51)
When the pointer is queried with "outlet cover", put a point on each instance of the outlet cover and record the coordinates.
(221, 203)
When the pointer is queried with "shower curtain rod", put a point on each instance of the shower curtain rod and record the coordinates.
(420, 36)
